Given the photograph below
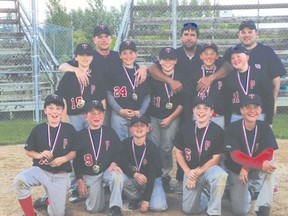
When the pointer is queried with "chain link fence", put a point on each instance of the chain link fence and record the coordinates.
(151, 24)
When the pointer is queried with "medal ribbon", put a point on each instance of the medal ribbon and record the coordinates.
(133, 85)
(169, 94)
(200, 148)
(204, 75)
(92, 143)
(247, 81)
(250, 151)
(138, 166)
(56, 138)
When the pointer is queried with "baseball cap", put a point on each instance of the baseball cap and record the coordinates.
(207, 100)
(190, 25)
(167, 53)
(127, 45)
(144, 119)
(238, 49)
(54, 99)
(251, 99)
(249, 24)
(83, 49)
(93, 105)
(210, 45)
(101, 29)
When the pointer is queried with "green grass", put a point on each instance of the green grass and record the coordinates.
(17, 131)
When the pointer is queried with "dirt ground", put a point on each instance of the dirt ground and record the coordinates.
(13, 160)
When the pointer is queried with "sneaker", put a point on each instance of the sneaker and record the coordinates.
(41, 203)
(115, 211)
(166, 184)
(263, 211)
(178, 188)
(133, 205)
(74, 197)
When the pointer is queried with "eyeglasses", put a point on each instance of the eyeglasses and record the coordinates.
(190, 24)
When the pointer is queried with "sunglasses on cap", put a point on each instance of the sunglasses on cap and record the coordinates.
(192, 24)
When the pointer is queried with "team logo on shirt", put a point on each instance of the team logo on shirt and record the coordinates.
(252, 84)
(93, 88)
(65, 143)
(107, 144)
(258, 66)
(220, 85)
(144, 162)
(207, 144)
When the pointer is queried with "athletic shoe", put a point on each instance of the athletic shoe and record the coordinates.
(263, 211)
(41, 203)
(74, 197)
(178, 188)
(166, 184)
(115, 211)
(133, 204)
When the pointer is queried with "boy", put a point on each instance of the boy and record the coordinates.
(96, 162)
(250, 145)
(165, 109)
(142, 165)
(198, 152)
(76, 95)
(244, 80)
(209, 56)
(51, 145)
(125, 96)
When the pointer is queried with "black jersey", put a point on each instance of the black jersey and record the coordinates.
(63, 140)
(72, 91)
(150, 165)
(235, 140)
(122, 89)
(161, 96)
(209, 143)
(104, 146)
(237, 85)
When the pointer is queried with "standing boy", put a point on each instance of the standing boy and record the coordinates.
(126, 97)
(198, 152)
(51, 145)
(142, 165)
(96, 162)
(250, 145)
(165, 109)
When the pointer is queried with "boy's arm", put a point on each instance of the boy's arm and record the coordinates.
(156, 73)
(181, 161)
(167, 121)
(113, 103)
(222, 72)
(212, 162)
(63, 159)
(145, 104)
(39, 155)
(141, 74)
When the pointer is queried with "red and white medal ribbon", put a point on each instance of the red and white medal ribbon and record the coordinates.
(200, 148)
(133, 85)
(204, 75)
(56, 138)
(92, 143)
(250, 150)
(138, 166)
(247, 81)
(169, 94)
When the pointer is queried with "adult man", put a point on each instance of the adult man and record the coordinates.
(189, 57)
(261, 56)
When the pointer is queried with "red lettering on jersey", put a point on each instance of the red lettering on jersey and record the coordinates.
(202, 95)
(120, 91)
(107, 144)
(93, 88)
(235, 97)
(207, 144)
(74, 102)
(156, 101)
(187, 154)
(43, 162)
(252, 84)
(144, 162)
(88, 159)
(220, 85)
(65, 143)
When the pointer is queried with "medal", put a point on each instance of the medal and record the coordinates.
(96, 168)
(169, 105)
(80, 103)
(134, 96)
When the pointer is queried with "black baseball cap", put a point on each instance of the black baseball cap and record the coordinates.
(249, 24)
(168, 53)
(54, 99)
(210, 45)
(101, 29)
(128, 44)
(84, 49)
(144, 119)
(93, 105)
(190, 25)
(238, 49)
(251, 99)
(207, 100)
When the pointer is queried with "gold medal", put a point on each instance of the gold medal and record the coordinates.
(134, 96)
(80, 103)
(169, 105)
(96, 168)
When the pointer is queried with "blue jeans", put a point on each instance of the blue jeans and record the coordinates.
(120, 125)
(162, 138)
(195, 201)
(133, 191)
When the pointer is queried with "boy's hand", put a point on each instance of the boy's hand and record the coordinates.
(45, 155)
(140, 178)
(141, 75)
(127, 113)
(268, 167)
(57, 161)
(82, 76)
(114, 167)
(144, 206)
(165, 122)
(243, 176)
(82, 189)
(204, 83)
(190, 184)
(175, 85)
